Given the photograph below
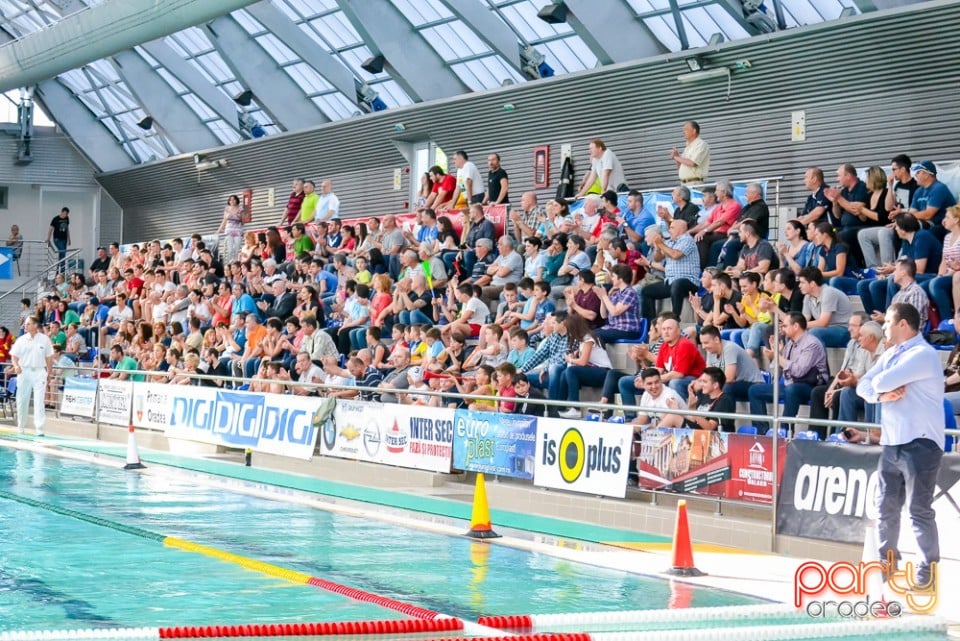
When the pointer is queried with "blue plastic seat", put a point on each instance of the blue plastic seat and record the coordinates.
(836, 438)
(616, 419)
(592, 417)
(640, 338)
(767, 377)
(748, 429)
(950, 423)
(808, 435)
(783, 432)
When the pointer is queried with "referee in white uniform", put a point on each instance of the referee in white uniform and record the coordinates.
(32, 357)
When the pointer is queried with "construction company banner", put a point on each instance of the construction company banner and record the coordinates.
(113, 402)
(593, 458)
(495, 443)
(733, 466)
(402, 435)
(268, 423)
(830, 491)
(79, 396)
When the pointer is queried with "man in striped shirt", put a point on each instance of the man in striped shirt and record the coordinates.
(294, 203)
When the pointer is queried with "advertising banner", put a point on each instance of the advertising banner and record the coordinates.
(830, 490)
(402, 435)
(79, 396)
(495, 443)
(751, 467)
(593, 458)
(113, 402)
(269, 423)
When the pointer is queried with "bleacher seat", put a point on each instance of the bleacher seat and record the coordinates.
(641, 338)
(767, 377)
(950, 422)
(808, 435)
(748, 429)
(783, 432)
(835, 438)
(617, 419)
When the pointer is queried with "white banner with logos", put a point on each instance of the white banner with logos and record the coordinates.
(593, 458)
(79, 396)
(269, 423)
(401, 435)
(113, 402)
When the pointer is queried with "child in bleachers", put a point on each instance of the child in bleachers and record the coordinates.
(525, 391)
(483, 387)
(528, 306)
(450, 360)
(363, 273)
(544, 306)
(472, 314)
(492, 352)
(434, 347)
(418, 347)
(520, 350)
(511, 303)
(505, 376)
(414, 395)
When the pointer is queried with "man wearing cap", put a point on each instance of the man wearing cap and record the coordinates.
(32, 357)
(931, 199)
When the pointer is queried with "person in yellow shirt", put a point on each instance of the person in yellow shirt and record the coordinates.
(310, 199)
(750, 315)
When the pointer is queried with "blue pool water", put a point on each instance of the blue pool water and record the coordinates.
(58, 572)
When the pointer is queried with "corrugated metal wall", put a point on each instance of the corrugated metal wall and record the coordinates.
(111, 220)
(871, 86)
(55, 161)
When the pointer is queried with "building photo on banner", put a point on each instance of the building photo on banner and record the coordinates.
(829, 492)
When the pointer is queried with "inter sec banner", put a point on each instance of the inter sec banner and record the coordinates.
(403, 435)
(79, 396)
(495, 443)
(270, 423)
(582, 456)
(113, 401)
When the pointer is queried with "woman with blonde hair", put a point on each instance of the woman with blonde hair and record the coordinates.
(876, 241)
(250, 247)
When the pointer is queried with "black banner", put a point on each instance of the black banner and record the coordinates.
(829, 491)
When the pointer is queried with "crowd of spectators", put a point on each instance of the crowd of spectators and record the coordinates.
(529, 310)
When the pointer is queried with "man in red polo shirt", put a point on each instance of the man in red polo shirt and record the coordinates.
(723, 216)
(679, 360)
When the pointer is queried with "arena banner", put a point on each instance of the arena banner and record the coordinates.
(401, 435)
(829, 491)
(113, 401)
(593, 458)
(269, 423)
(495, 443)
(79, 396)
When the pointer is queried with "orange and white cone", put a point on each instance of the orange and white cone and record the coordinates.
(133, 455)
(682, 546)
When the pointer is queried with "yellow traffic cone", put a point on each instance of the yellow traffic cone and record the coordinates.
(480, 527)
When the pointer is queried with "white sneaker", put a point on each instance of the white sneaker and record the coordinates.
(570, 413)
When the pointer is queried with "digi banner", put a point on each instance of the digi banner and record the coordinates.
(494, 443)
(79, 396)
(113, 401)
(269, 423)
(401, 435)
(830, 491)
(582, 456)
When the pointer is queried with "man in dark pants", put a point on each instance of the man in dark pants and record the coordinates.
(908, 381)
(678, 258)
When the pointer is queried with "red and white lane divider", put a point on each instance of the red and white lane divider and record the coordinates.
(401, 626)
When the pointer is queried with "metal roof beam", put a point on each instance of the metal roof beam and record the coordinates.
(489, 27)
(410, 60)
(99, 32)
(172, 116)
(90, 135)
(273, 90)
(192, 79)
(735, 9)
(612, 30)
(332, 70)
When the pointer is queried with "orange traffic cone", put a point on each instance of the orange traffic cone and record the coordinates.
(682, 548)
(133, 456)
(480, 527)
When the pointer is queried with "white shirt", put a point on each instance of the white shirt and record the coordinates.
(115, 315)
(470, 171)
(328, 206)
(660, 402)
(609, 161)
(698, 151)
(32, 351)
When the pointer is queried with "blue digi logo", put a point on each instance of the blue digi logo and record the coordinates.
(239, 418)
(288, 425)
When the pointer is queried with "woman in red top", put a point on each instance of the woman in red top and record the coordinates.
(6, 342)
(349, 242)
(382, 299)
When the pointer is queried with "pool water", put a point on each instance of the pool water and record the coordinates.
(57, 571)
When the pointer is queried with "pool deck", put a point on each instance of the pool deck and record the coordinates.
(445, 508)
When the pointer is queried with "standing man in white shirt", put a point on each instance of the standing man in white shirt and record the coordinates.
(693, 165)
(32, 357)
(328, 205)
(605, 169)
(469, 181)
